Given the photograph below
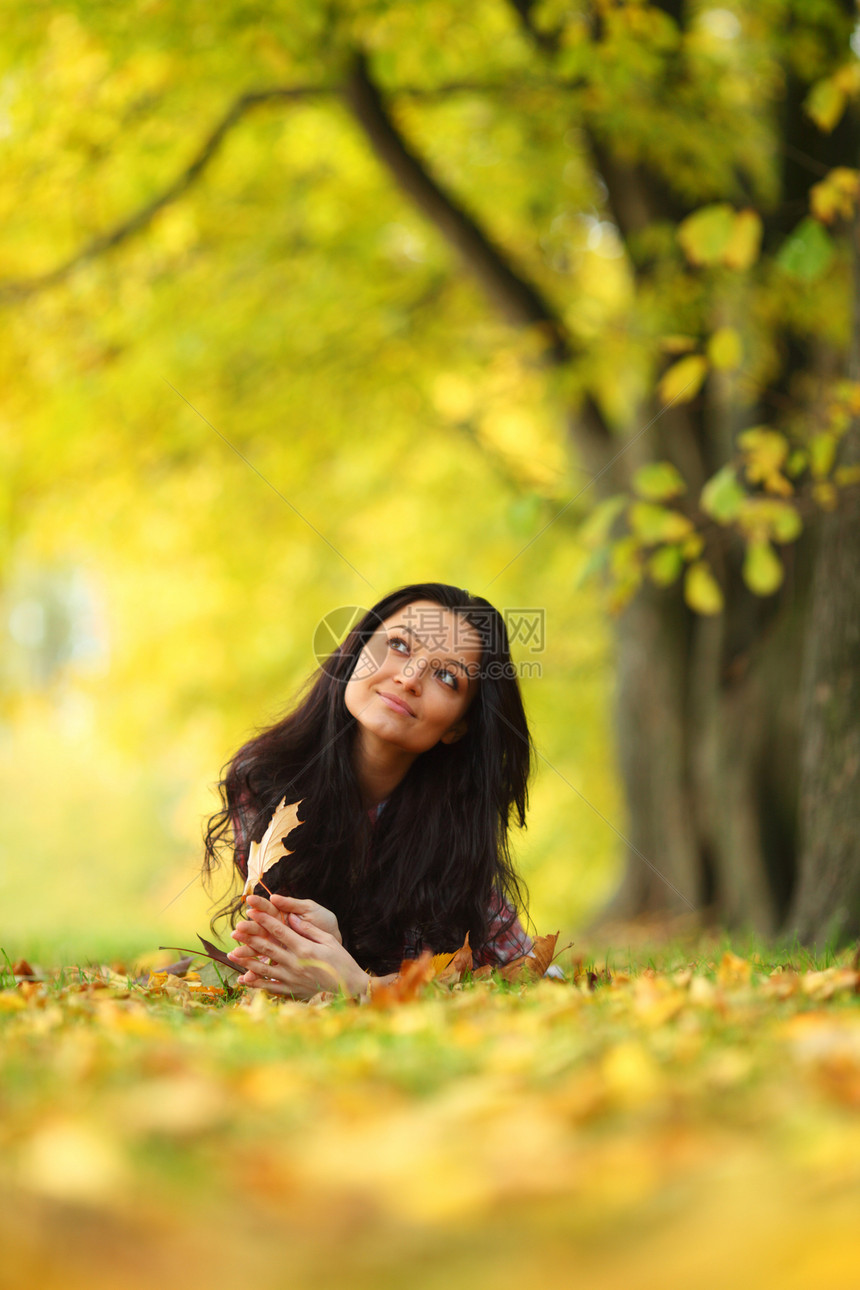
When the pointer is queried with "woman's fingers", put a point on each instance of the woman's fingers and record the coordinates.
(239, 952)
(262, 905)
(307, 929)
(294, 934)
(318, 915)
(292, 904)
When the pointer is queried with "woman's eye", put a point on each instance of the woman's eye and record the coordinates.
(452, 682)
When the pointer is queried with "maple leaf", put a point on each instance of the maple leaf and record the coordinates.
(544, 951)
(265, 853)
(529, 967)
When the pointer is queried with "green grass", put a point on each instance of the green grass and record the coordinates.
(691, 1121)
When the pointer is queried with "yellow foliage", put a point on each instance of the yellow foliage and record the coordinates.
(742, 248)
(725, 350)
(530, 1122)
(702, 592)
(836, 196)
(683, 380)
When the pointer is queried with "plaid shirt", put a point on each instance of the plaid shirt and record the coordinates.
(506, 936)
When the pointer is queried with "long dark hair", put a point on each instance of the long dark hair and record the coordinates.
(438, 853)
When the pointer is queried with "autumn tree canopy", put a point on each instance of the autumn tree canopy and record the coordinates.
(618, 232)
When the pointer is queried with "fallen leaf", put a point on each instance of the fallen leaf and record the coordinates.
(211, 952)
(441, 962)
(456, 965)
(528, 967)
(733, 970)
(407, 985)
(543, 951)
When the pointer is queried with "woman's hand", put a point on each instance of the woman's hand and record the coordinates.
(293, 957)
(309, 910)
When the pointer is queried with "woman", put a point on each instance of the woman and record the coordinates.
(408, 756)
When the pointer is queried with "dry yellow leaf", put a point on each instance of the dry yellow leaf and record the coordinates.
(265, 853)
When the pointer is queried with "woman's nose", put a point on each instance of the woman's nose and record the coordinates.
(412, 672)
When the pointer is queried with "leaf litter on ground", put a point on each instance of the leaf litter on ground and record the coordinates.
(661, 1121)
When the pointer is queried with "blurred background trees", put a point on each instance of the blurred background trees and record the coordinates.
(552, 301)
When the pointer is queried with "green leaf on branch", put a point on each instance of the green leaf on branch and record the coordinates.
(722, 495)
(658, 481)
(822, 450)
(683, 380)
(825, 103)
(797, 463)
(706, 233)
(665, 565)
(718, 234)
(786, 525)
(653, 523)
(762, 570)
(702, 592)
(766, 518)
(807, 251)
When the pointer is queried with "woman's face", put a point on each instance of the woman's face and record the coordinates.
(416, 677)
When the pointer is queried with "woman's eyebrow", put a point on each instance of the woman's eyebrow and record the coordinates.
(401, 627)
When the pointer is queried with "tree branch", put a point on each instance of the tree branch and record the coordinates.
(519, 301)
(11, 290)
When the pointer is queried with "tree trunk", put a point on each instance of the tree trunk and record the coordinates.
(707, 712)
(827, 904)
(827, 901)
(707, 727)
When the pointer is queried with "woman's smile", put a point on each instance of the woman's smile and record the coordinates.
(397, 705)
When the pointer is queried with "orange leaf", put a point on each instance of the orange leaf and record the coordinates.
(457, 965)
(531, 966)
(407, 985)
(516, 970)
(441, 963)
(543, 950)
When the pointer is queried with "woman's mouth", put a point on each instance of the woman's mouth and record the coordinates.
(396, 705)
